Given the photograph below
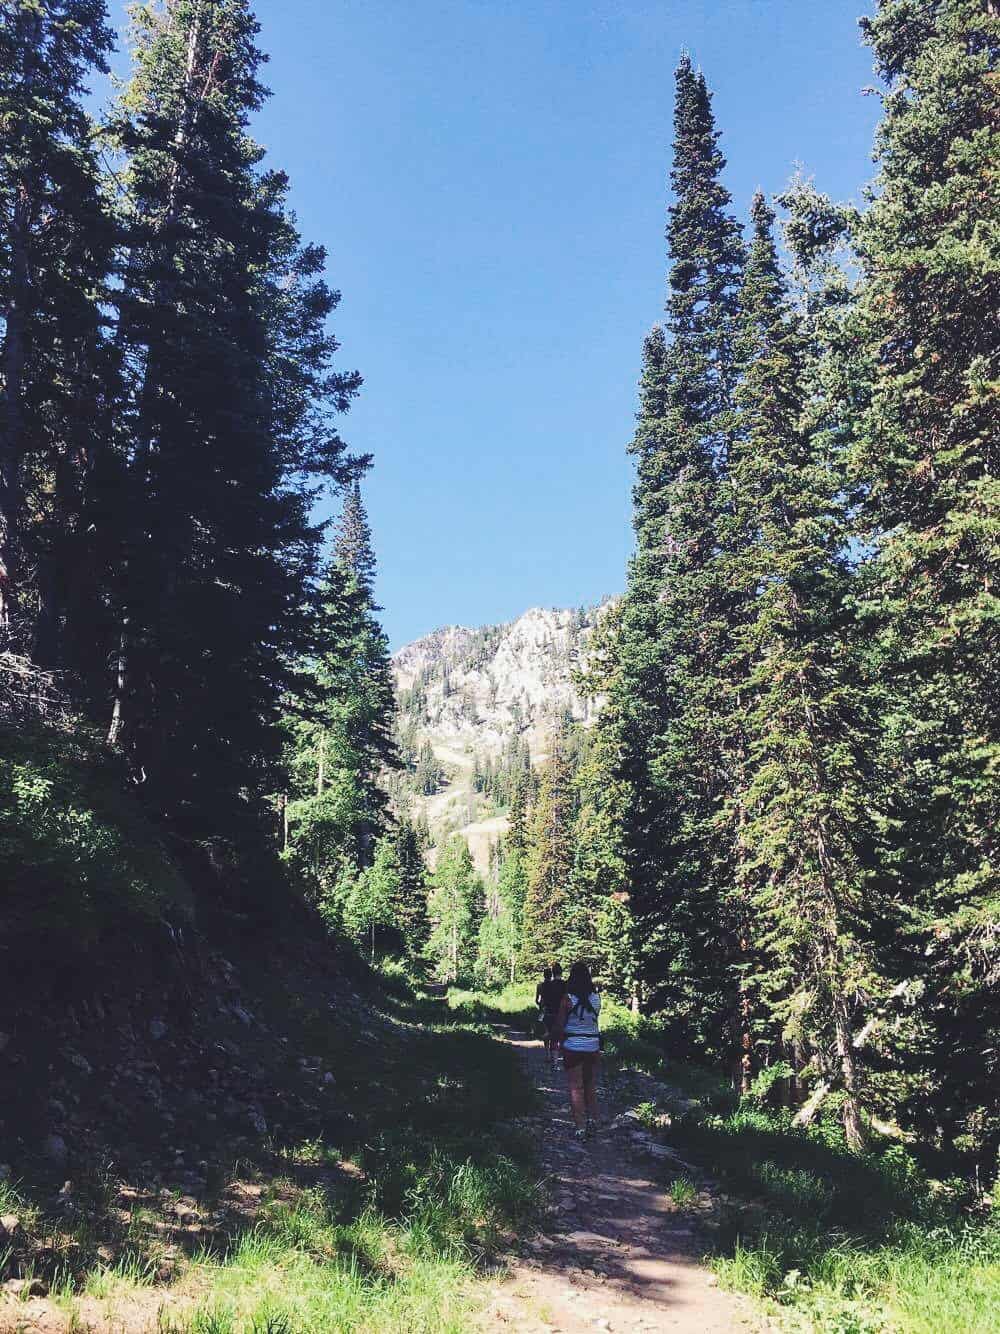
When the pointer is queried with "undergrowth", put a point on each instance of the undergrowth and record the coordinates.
(385, 1227)
(830, 1240)
(76, 850)
(844, 1242)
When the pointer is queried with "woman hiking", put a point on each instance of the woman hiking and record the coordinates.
(578, 1030)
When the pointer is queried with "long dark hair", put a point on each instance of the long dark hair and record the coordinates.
(581, 985)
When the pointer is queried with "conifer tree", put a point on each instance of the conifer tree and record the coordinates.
(368, 703)
(455, 908)
(662, 718)
(340, 722)
(410, 907)
(549, 863)
(369, 908)
(500, 929)
(927, 457)
(226, 409)
(55, 260)
(808, 802)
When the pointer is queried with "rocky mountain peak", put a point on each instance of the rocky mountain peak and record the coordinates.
(473, 696)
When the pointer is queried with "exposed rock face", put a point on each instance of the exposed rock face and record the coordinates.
(470, 694)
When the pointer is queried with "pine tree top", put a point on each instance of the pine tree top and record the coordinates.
(353, 548)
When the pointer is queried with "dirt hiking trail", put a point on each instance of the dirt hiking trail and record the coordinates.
(615, 1252)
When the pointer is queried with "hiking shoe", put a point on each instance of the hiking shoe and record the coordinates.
(580, 1136)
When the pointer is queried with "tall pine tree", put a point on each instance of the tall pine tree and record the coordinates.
(807, 807)
(55, 260)
(341, 718)
(224, 416)
(674, 624)
(928, 458)
(549, 863)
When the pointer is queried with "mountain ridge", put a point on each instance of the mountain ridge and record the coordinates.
(474, 701)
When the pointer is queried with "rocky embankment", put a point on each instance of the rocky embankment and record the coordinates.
(147, 1097)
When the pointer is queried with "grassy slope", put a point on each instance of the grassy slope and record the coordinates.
(444, 1184)
(829, 1241)
(382, 1230)
(385, 1171)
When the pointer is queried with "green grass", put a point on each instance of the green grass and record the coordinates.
(845, 1243)
(445, 1184)
(682, 1191)
(838, 1242)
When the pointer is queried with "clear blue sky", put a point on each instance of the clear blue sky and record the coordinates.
(490, 179)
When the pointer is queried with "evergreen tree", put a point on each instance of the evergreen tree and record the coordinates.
(369, 908)
(806, 815)
(500, 929)
(410, 906)
(226, 407)
(367, 709)
(927, 458)
(549, 863)
(455, 908)
(340, 720)
(662, 720)
(55, 259)
(355, 549)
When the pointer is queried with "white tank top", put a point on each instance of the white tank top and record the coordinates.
(582, 1029)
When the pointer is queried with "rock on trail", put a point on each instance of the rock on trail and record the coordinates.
(617, 1254)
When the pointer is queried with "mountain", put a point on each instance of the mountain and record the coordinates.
(476, 705)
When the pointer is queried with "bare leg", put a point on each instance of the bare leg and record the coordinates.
(590, 1089)
(577, 1100)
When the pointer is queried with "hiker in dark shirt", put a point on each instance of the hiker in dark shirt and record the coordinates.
(548, 998)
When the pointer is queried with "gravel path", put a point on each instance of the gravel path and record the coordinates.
(616, 1252)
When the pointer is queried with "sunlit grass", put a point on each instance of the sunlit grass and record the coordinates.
(301, 1270)
(682, 1191)
(846, 1243)
(129, 1272)
(440, 1182)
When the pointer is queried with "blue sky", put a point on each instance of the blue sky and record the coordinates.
(490, 179)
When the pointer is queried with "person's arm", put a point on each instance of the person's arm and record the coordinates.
(538, 996)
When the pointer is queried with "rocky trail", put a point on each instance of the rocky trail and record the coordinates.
(616, 1252)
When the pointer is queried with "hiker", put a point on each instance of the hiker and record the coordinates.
(578, 1031)
(548, 997)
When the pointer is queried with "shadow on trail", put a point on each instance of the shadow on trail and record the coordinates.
(614, 1245)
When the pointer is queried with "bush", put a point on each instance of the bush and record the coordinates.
(76, 850)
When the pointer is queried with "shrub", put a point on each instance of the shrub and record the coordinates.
(76, 850)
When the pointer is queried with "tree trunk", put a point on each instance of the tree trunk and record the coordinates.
(115, 728)
(11, 415)
(853, 1128)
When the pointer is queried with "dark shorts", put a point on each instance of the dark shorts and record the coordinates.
(550, 1021)
(587, 1059)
